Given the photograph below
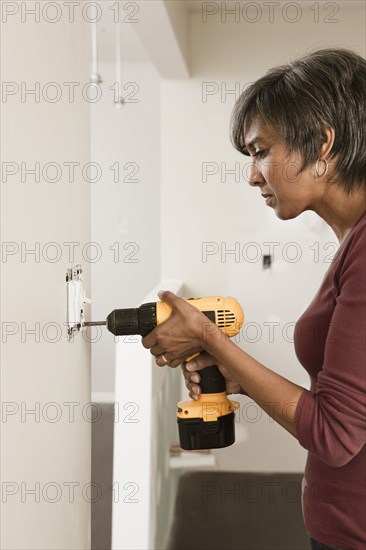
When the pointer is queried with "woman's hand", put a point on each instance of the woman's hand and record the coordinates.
(192, 377)
(180, 336)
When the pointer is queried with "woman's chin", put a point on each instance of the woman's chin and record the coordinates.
(285, 214)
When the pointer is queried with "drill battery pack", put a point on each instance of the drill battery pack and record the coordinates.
(195, 433)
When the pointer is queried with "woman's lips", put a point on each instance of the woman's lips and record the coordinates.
(267, 198)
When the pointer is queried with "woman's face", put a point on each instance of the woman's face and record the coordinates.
(275, 172)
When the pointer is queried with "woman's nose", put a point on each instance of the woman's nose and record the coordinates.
(255, 176)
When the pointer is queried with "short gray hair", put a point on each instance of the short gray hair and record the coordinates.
(325, 88)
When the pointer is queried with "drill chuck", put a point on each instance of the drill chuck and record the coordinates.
(138, 320)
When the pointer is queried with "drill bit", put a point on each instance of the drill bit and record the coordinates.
(94, 323)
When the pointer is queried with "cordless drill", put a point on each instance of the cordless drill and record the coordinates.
(207, 423)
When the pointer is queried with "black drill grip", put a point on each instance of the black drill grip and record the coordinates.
(212, 381)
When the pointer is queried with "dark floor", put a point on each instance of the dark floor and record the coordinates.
(238, 511)
(214, 510)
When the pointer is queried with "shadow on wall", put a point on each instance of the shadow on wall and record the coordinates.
(102, 476)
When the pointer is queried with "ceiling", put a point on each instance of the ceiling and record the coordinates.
(132, 48)
(196, 5)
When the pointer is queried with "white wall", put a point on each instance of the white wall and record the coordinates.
(194, 212)
(45, 454)
(125, 212)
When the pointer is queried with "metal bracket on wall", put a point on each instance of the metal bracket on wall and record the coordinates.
(76, 300)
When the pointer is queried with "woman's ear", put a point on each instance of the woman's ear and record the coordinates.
(328, 137)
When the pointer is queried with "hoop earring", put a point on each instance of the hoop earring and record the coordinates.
(317, 167)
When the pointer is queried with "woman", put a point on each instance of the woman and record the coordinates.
(303, 126)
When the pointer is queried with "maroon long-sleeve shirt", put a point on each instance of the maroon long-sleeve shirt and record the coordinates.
(330, 343)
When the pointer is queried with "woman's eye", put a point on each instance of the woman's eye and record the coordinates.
(260, 154)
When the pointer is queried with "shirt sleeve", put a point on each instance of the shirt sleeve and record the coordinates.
(331, 422)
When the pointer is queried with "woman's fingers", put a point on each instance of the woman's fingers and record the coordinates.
(180, 335)
(192, 380)
(191, 377)
(194, 390)
(203, 360)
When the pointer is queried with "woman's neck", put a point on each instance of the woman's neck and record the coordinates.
(340, 210)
